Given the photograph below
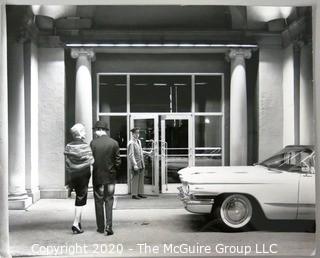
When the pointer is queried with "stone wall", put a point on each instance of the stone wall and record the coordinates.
(51, 122)
(270, 101)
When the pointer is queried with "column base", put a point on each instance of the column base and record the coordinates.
(21, 202)
(34, 194)
(54, 193)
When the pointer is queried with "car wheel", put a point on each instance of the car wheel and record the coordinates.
(233, 212)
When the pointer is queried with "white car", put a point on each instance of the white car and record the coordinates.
(280, 188)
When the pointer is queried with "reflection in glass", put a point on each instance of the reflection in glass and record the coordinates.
(176, 148)
(208, 140)
(122, 174)
(112, 93)
(208, 160)
(147, 140)
(160, 93)
(118, 131)
(208, 93)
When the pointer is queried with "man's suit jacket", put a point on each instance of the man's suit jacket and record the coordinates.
(107, 160)
(135, 154)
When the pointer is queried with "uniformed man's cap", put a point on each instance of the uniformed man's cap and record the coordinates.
(134, 129)
(101, 125)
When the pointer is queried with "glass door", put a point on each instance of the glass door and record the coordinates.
(149, 137)
(176, 149)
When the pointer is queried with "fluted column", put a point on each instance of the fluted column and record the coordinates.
(4, 217)
(83, 94)
(238, 107)
(18, 198)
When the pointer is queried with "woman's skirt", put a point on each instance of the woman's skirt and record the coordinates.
(79, 182)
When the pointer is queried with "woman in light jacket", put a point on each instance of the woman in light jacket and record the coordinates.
(78, 161)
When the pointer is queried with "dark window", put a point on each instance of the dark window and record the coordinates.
(118, 131)
(208, 140)
(208, 94)
(112, 93)
(160, 93)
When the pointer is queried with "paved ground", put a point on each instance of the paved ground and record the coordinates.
(144, 230)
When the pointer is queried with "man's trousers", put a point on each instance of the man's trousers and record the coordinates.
(137, 182)
(103, 200)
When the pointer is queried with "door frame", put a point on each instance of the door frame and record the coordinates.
(152, 189)
(172, 187)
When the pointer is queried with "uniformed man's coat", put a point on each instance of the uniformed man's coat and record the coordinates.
(135, 154)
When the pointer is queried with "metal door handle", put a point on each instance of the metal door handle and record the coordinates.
(166, 164)
(164, 154)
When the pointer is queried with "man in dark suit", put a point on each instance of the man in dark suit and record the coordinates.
(106, 163)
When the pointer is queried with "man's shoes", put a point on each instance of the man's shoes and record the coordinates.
(135, 197)
(100, 231)
(142, 196)
(108, 231)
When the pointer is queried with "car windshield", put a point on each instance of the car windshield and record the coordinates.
(290, 160)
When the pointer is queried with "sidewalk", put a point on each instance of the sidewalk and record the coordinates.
(45, 228)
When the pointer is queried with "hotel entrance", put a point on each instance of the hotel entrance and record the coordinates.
(169, 139)
(181, 121)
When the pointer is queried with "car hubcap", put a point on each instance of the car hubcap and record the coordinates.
(236, 211)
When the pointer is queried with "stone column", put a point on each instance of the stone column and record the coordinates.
(4, 216)
(18, 198)
(238, 107)
(307, 132)
(289, 98)
(31, 112)
(83, 94)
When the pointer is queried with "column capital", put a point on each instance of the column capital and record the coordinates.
(88, 52)
(236, 52)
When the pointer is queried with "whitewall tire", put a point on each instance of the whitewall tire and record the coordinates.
(234, 212)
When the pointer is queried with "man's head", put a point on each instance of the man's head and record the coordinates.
(101, 128)
(78, 131)
(135, 132)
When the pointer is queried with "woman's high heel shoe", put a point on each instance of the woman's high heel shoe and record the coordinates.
(76, 230)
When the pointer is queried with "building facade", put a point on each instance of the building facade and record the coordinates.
(225, 91)
(283, 113)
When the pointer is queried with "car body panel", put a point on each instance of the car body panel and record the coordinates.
(281, 194)
(307, 197)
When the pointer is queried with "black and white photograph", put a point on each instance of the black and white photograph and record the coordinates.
(159, 128)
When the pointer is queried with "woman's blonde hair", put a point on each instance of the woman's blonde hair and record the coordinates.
(76, 130)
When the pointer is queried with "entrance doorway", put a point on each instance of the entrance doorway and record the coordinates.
(149, 138)
(181, 120)
(169, 139)
(176, 149)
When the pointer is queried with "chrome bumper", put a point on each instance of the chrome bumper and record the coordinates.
(194, 203)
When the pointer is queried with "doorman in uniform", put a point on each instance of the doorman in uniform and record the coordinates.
(136, 164)
(107, 162)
